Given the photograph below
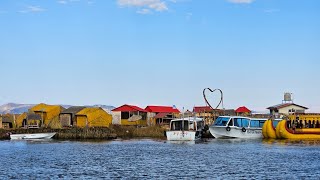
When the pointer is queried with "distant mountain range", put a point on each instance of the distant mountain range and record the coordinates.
(14, 108)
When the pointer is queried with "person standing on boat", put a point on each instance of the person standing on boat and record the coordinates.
(294, 126)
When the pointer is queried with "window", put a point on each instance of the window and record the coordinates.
(292, 110)
(256, 123)
(221, 121)
(241, 122)
(177, 125)
(125, 115)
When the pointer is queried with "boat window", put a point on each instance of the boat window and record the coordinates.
(275, 123)
(200, 125)
(221, 121)
(257, 123)
(241, 122)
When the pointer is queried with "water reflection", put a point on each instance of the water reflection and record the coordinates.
(149, 159)
(182, 142)
(291, 142)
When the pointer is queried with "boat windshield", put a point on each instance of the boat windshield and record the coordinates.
(221, 121)
(177, 125)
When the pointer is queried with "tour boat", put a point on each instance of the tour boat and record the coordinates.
(185, 129)
(237, 127)
(284, 132)
(32, 136)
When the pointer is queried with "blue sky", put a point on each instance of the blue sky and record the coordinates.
(160, 52)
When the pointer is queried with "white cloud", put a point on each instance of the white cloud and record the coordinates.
(188, 16)
(271, 10)
(241, 1)
(32, 9)
(67, 1)
(145, 5)
(62, 2)
(144, 11)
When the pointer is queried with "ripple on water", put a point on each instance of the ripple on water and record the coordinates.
(145, 159)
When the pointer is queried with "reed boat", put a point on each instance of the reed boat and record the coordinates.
(32, 136)
(185, 129)
(269, 130)
(264, 130)
(284, 132)
(237, 127)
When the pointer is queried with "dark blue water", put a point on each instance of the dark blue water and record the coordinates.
(149, 159)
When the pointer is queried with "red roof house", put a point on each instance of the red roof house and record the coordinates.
(162, 114)
(130, 115)
(243, 109)
(162, 109)
(201, 109)
(129, 108)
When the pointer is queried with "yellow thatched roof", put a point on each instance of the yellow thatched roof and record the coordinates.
(44, 107)
(88, 110)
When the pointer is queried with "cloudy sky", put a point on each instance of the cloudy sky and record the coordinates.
(160, 52)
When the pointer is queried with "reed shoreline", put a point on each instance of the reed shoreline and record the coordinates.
(113, 132)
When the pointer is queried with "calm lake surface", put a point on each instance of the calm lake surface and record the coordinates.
(151, 159)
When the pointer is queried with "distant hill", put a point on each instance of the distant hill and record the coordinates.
(107, 108)
(14, 108)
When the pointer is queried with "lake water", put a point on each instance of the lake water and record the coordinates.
(151, 159)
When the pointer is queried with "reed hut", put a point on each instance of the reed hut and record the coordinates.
(21, 120)
(29, 120)
(7, 121)
(48, 113)
(67, 117)
(130, 115)
(93, 117)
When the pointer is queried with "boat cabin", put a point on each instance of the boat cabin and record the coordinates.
(187, 124)
(239, 121)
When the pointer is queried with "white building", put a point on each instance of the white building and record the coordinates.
(287, 108)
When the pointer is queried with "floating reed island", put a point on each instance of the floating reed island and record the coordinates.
(74, 133)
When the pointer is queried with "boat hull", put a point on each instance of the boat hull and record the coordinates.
(268, 130)
(235, 132)
(32, 136)
(264, 130)
(305, 133)
(181, 135)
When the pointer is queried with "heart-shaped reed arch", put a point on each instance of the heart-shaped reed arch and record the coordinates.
(212, 91)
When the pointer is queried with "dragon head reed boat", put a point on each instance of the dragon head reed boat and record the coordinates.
(269, 128)
(287, 129)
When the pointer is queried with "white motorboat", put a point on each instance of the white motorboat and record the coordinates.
(32, 136)
(185, 129)
(237, 127)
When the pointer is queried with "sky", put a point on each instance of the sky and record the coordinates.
(160, 52)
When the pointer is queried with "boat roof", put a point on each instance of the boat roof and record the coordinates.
(189, 119)
(253, 118)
